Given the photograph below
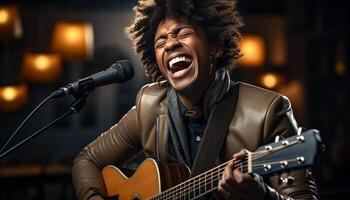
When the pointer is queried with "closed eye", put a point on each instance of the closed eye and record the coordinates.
(185, 32)
(160, 43)
(184, 35)
(179, 32)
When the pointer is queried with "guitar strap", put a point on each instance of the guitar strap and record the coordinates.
(215, 131)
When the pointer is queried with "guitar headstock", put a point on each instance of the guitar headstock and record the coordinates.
(295, 152)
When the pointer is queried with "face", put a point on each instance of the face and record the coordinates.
(182, 53)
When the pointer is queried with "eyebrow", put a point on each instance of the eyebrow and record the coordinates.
(176, 29)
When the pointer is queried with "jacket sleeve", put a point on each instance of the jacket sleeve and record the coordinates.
(280, 121)
(114, 146)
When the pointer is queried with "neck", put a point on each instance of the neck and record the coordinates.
(190, 98)
(189, 101)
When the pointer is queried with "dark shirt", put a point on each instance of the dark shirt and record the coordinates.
(195, 132)
(195, 125)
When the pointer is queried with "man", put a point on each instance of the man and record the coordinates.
(186, 48)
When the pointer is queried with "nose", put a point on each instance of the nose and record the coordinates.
(172, 44)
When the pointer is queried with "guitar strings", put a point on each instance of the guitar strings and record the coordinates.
(216, 178)
(189, 184)
(187, 189)
(212, 180)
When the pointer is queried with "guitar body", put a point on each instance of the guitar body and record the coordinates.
(149, 179)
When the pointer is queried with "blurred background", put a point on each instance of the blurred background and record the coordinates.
(297, 47)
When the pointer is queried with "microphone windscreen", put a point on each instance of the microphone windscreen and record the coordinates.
(124, 70)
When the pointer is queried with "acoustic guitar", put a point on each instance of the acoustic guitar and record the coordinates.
(154, 180)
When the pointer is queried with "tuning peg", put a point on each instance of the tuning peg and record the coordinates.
(300, 138)
(290, 180)
(287, 180)
(285, 142)
(309, 172)
(267, 167)
(277, 138)
(299, 131)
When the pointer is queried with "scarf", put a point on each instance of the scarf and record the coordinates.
(178, 144)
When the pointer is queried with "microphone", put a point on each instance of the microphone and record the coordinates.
(119, 72)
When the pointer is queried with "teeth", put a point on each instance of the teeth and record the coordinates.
(176, 60)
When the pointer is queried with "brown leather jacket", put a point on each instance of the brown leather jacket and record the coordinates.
(260, 116)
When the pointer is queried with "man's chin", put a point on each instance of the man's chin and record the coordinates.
(185, 89)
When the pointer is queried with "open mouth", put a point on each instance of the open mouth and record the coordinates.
(179, 64)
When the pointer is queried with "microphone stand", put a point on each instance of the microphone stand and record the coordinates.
(75, 107)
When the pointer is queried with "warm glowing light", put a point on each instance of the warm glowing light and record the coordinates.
(340, 68)
(73, 40)
(73, 34)
(42, 62)
(4, 16)
(9, 93)
(253, 50)
(42, 68)
(269, 80)
(13, 97)
(10, 23)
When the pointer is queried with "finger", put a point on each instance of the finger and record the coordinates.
(227, 175)
(240, 154)
(248, 179)
(225, 181)
(222, 189)
(243, 181)
(238, 176)
(231, 164)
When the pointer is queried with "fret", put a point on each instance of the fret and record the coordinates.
(208, 187)
(205, 182)
(188, 194)
(211, 178)
(202, 188)
(186, 188)
(193, 192)
(197, 192)
(218, 174)
(199, 186)
(167, 194)
(179, 193)
(194, 188)
(189, 189)
(184, 192)
(160, 196)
